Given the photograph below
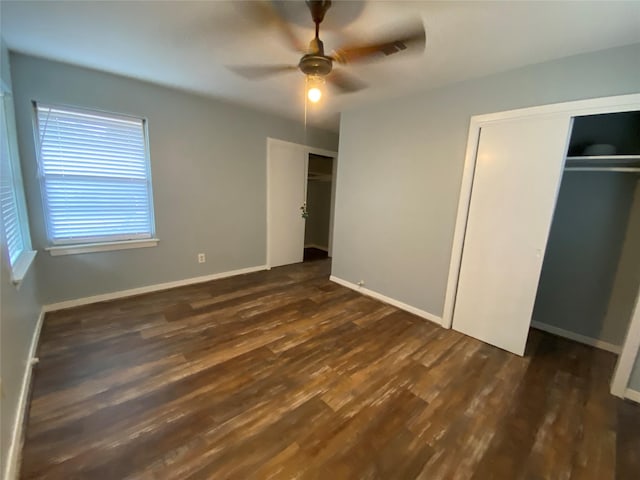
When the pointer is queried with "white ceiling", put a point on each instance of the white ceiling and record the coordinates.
(187, 44)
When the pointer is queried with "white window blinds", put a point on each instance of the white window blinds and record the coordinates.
(11, 220)
(95, 176)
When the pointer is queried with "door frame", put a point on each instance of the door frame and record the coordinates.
(627, 358)
(307, 150)
(614, 104)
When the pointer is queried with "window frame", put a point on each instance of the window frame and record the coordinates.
(94, 243)
(18, 268)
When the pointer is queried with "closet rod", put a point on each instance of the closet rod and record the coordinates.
(603, 169)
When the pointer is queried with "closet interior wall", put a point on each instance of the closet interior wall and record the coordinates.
(591, 270)
(319, 186)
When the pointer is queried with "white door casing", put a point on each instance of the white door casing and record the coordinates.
(517, 176)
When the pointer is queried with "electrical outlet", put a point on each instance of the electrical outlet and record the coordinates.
(202, 258)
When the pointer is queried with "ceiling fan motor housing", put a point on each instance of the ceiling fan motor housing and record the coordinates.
(315, 65)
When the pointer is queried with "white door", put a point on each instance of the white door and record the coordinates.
(517, 175)
(287, 165)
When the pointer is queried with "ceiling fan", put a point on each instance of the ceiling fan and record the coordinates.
(318, 66)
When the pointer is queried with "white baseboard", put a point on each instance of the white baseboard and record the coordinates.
(632, 394)
(148, 289)
(594, 342)
(391, 301)
(15, 447)
(319, 247)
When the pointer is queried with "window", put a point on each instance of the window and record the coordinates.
(95, 177)
(14, 214)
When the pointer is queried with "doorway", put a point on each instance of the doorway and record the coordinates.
(293, 200)
(591, 269)
(318, 207)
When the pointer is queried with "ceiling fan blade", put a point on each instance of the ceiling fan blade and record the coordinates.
(344, 82)
(265, 13)
(256, 72)
(412, 37)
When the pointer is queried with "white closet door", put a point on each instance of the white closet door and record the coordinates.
(287, 165)
(517, 176)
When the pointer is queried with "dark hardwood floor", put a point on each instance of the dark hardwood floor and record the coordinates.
(283, 374)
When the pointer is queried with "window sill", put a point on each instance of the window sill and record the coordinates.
(21, 267)
(101, 247)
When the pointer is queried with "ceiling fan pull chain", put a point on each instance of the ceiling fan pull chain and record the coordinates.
(306, 81)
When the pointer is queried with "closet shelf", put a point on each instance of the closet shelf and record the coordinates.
(319, 177)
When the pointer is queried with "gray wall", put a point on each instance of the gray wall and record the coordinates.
(19, 311)
(401, 164)
(209, 178)
(18, 318)
(584, 260)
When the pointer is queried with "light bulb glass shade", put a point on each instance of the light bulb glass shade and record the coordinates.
(314, 94)
(315, 84)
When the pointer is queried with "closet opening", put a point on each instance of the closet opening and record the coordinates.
(591, 269)
(319, 211)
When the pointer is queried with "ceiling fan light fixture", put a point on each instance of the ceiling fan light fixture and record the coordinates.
(317, 67)
(314, 88)
(314, 94)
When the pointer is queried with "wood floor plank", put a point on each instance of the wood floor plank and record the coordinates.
(283, 374)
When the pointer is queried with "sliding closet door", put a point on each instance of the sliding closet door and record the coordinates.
(517, 175)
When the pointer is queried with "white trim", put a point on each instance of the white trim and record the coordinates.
(308, 149)
(591, 106)
(627, 358)
(4, 88)
(461, 223)
(267, 206)
(332, 206)
(15, 447)
(101, 247)
(319, 247)
(632, 394)
(593, 342)
(148, 289)
(391, 301)
(20, 269)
